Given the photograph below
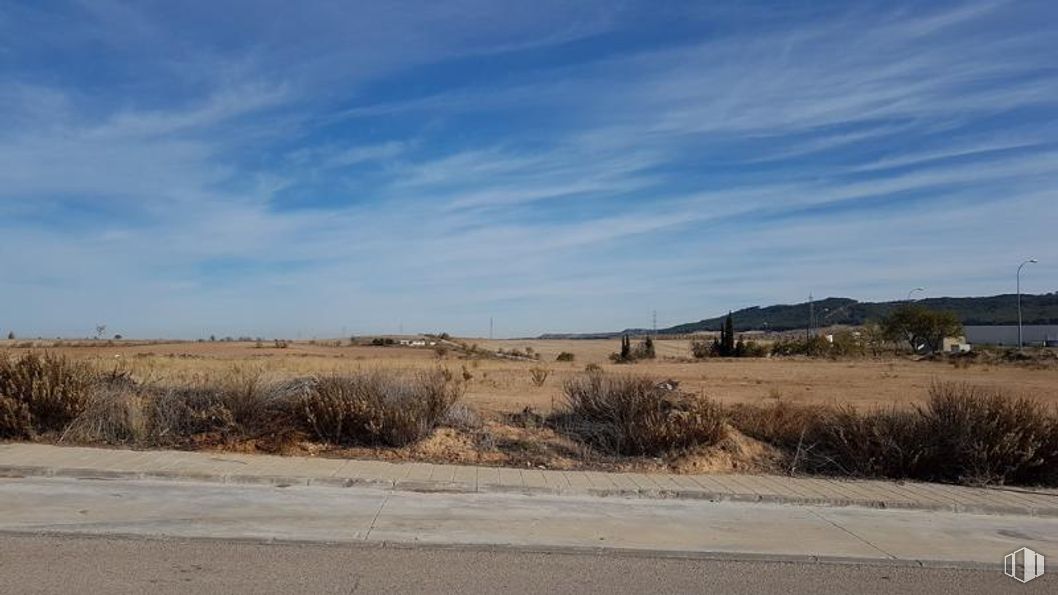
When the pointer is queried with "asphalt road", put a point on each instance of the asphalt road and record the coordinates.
(68, 564)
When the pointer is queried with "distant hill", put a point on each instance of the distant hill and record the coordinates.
(992, 310)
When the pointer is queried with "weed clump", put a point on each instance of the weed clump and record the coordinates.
(379, 408)
(41, 393)
(962, 434)
(633, 415)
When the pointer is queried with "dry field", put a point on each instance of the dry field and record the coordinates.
(497, 387)
(514, 412)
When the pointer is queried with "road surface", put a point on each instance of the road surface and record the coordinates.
(39, 564)
(105, 535)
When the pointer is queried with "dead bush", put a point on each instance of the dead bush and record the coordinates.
(461, 417)
(633, 415)
(113, 415)
(882, 443)
(252, 401)
(15, 419)
(378, 407)
(963, 434)
(538, 375)
(781, 424)
(979, 435)
(526, 418)
(837, 440)
(179, 414)
(41, 393)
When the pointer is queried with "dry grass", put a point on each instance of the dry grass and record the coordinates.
(504, 386)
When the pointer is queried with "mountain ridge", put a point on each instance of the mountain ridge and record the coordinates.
(984, 310)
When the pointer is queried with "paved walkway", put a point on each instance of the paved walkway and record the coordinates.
(188, 510)
(26, 459)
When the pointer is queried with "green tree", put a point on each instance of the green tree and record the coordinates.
(725, 345)
(647, 349)
(924, 330)
(874, 337)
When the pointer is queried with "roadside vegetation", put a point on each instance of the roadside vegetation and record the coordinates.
(605, 420)
(53, 398)
(636, 415)
(963, 434)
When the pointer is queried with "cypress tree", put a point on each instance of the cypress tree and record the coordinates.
(727, 337)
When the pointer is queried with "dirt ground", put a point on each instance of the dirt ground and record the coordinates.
(496, 387)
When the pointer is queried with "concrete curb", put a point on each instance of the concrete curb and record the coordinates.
(425, 486)
(558, 550)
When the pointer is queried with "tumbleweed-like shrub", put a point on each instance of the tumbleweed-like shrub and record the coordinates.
(379, 407)
(634, 415)
(979, 435)
(41, 393)
(962, 434)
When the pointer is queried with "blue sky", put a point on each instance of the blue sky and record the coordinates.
(281, 168)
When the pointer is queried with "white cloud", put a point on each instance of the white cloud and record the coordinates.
(849, 156)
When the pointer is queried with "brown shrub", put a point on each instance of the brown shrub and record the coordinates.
(963, 434)
(836, 440)
(461, 417)
(113, 415)
(883, 443)
(379, 408)
(177, 415)
(41, 393)
(984, 436)
(239, 404)
(781, 424)
(538, 375)
(633, 415)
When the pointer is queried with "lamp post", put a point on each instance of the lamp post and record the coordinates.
(1029, 261)
(913, 291)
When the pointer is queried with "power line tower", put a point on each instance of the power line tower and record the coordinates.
(655, 322)
(490, 328)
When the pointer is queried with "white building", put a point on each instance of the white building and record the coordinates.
(1007, 335)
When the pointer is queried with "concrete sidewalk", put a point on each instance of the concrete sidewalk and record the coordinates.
(39, 460)
(186, 510)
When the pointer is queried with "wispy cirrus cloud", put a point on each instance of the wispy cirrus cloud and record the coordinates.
(559, 168)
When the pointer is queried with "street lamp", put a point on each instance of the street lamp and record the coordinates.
(1029, 261)
(913, 291)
